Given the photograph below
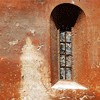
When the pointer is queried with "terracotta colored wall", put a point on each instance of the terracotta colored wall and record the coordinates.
(22, 18)
(54, 52)
(80, 50)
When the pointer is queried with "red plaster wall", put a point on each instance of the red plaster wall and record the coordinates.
(19, 17)
(80, 46)
(54, 52)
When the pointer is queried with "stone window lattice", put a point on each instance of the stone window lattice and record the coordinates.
(65, 42)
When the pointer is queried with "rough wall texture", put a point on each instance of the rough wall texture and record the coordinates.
(22, 18)
(31, 75)
(54, 52)
(80, 50)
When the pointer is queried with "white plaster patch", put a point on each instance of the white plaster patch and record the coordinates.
(13, 42)
(32, 31)
(64, 85)
(31, 86)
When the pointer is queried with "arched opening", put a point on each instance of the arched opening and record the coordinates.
(64, 18)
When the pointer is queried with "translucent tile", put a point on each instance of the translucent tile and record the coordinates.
(69, 61)
(62, 37)
(68, 74)
(62, 73)
(68, 37)
(68, 48)
(62, 48)
(62, 60)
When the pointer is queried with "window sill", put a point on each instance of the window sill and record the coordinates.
(68, 85)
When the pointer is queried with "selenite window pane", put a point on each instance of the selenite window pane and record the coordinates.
(62, 60)
(68, 48)
(62, 48)
(68, 73)
(68, 37)
(62, 73)
(69, 61)
(62, 37)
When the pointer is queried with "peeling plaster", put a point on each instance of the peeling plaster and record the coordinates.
(32, 31)
(13, 42)
(39, 47)
(31, 86)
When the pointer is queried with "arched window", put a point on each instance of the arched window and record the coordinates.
(63, 19)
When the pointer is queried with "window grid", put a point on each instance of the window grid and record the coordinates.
(65, 56)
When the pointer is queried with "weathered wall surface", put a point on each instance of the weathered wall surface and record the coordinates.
(80, 50)
(22, 18)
